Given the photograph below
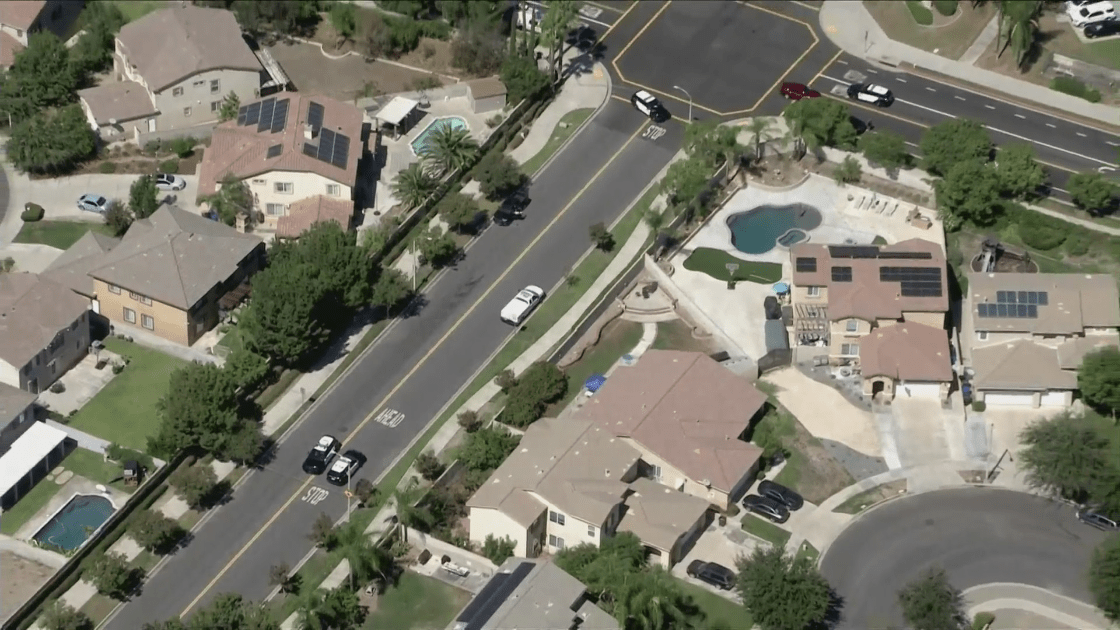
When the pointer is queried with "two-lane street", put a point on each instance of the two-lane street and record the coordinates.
(415, 368)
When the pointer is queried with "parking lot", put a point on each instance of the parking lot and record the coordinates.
(726, 56)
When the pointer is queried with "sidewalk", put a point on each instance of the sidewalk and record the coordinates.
(1038, 602)
(850, 26)
(589, 90)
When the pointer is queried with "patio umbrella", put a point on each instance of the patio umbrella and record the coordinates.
(781, 288)
(594, 382)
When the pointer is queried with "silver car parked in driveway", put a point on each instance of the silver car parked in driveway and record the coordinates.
(93, 203)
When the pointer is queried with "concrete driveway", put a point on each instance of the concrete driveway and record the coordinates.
(59, 197)
(722, 545)
(926, 433)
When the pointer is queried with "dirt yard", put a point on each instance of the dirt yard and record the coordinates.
(432, 54)
(677, 335)
(19, 579)
(811, 470)
(868, 498)
(348, 78)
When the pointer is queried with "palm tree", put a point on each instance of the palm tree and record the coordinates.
(1020, 19)
(367, 561)
(413, 186)
(650, 602)
(313, 611)
(759, 129)
(448, 149)
(408, 512)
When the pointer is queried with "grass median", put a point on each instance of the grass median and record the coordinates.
(567, 126)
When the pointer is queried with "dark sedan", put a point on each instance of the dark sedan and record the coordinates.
(717, 575)
(781, 494)
(1107, 28)
(767, 508)
(512, 208)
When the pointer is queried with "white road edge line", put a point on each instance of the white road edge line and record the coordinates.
(842, 61)
(1081, 134)
(1111, 143)
(873, 71)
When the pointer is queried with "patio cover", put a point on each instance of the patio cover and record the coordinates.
(35, 444)
(397, 110)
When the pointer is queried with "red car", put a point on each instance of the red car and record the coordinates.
(797, 91)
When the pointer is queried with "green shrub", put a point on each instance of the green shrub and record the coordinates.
(945, 7)
(183, 147)
(978, 406)
(169, 166)
(922, 15)
(982, 619)
(152, 146)
(32, 212)
(1042, 235)
(107, 167)
(1073, 87)
(1076, 245)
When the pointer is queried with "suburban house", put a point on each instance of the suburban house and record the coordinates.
(844, 298)
(172, 70)
(571, 482)
(44, 331)
(687, 417)
(20, 19)
(172, 274)
(29, 450)
(532, 594)
(1024, 335)
(289, 149)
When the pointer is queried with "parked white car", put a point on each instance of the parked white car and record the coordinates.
(166, 181)
(1084, 14)
(522, 304)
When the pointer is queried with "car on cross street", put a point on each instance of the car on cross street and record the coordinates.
(870, 93)
(798, 91)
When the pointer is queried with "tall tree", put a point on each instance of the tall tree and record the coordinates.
(199, 410)
(1098, 378)
(110, 573)
(969, 193)
(885, 149)
(760, 129)
(231, 104)
(1019, 20)
(368, 561)
(143, 197)
(1019, 172)
(1065, 455)
(1104, 578)
(436, 247)
(931, 603)
(117, 217)
(344, 609)
(521, 76)
(413, 185)
(391, 289)
(1090, 191)
(712, 143)
(342, 269)
(954, 141)
(498, 175)
(781, 591)
(653, 600)
(449, 149)
(93, 52)
(233, 198)
(51, 141)
(42, 77)
(460, 211)
(229, 611)
(285, 320)
(821, 122)
(59, 616)
(559, 20)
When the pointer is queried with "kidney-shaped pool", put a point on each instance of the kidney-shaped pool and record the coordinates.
(759, 230)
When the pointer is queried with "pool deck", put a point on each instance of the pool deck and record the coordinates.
(73, 485)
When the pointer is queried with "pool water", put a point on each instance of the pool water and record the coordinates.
(759, 230)
(71, 526)
(451, 122)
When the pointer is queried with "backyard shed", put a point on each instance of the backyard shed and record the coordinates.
(486, 95)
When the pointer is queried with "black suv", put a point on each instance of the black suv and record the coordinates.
(781, 494)
(1106, 28)
(767, 508)
(512, 208)
(321, 454)
(717, 575)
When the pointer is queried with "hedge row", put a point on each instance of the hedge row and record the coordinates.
(922, 15)
(1074, 87)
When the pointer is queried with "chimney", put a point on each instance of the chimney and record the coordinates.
(309, 132)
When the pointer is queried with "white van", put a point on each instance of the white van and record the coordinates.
(1090, 13)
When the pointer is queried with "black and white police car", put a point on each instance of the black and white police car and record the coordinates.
(648, 104)
(344, 467)
(870, 93)
(321, 455)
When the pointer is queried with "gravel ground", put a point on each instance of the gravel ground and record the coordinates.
(857, 464)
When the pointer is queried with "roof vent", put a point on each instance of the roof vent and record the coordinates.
(608, 472)
(706, 482)
(310, 132)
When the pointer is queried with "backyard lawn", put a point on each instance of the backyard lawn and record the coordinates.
(677, 335)
(59, 234)
(417, 602)
(616, 339)
(92, 466)
(124, 412)
(719, 612)
(27, 506)
(564, 130)
(136, 9)
(764, 529)
(714, 263)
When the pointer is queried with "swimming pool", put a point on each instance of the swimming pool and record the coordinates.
(759, 230)
(75, 522)
(449, 122)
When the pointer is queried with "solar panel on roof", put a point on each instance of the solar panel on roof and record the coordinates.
(1032, 311)
(841, 274)
(315, 115)
(848, 251)
(485, 604)
(806, 264)
(268, 107)
(280, 115)
(310, 149)
(905, 255)
(326, 145)
(241, 115)
(275, 150)
(253, 114)
(341, 151)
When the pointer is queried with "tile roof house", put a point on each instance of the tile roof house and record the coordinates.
(571, 482)
(173, 69)
(19, 19)
(687, 416)
(44, 330)
(1025, 335)
(843, 294)
(289, 149)
(171, 274)
(527, 594)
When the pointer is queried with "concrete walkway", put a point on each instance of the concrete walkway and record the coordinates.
(986, 38)
(584, 91)
(851, 27)
(1039, 602)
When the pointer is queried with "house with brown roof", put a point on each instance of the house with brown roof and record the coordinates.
(1024, 335)
(290, 149)
(172, 70)
(844, 298)
(688, 417)
(172, 274)
(572, 482)
(44, 330)
(19, 19)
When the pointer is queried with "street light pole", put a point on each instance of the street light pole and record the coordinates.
(677, 87)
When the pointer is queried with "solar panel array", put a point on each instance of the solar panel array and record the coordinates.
(806, 264)
(905, 255)
(493, 595)
(853, 251)
(915, 281)
(268, 115)
(1041, 298)
(841, 274)
(1009, 311)
(315, 115)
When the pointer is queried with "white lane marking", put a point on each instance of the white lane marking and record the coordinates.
(842, 61)
(1051, 126)
(930, 89)
(1081, 134)
(1061, 190)
(873, 71)
(959, 98)
(1112, 143)
(989, 106)
(900, 79)
(913, 145)
(1020, 116)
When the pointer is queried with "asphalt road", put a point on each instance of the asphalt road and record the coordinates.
(447, 342)
(978, 535)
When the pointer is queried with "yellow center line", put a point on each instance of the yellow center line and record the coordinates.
(618, 21)
(256, 536)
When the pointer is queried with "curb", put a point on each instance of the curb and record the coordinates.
(587, 121)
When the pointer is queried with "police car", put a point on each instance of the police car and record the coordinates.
(321, 455)
(344, 467)
(870, 93)
(648, 104)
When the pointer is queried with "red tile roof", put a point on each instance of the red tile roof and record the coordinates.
(307, 212)
(909, 351)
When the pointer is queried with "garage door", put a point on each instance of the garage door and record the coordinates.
(920, 390)
(1055, 399)
(1009, 399)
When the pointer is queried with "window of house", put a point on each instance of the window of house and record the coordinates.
(177, 91)
(591, 531)
(114, 289)
(849, 349)
(215, 106)
(982, 335)
(148, 322)
(655, 472)
(143, 299)
(53, 366)
(215, 86)
(186, 111)
(853, 325)
(334, 190)
(258, 181)
(556, 517)
(813, 291)
(555, 541)
(198, 83)
(274, 209)
(129, 315)
(38, 360)
(284, 187)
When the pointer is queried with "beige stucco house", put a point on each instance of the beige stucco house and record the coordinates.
(19, 19)
(44, 331)
(289, 149)
(844, 297)
(172, 274)
(172, 70)
(1024, 335)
